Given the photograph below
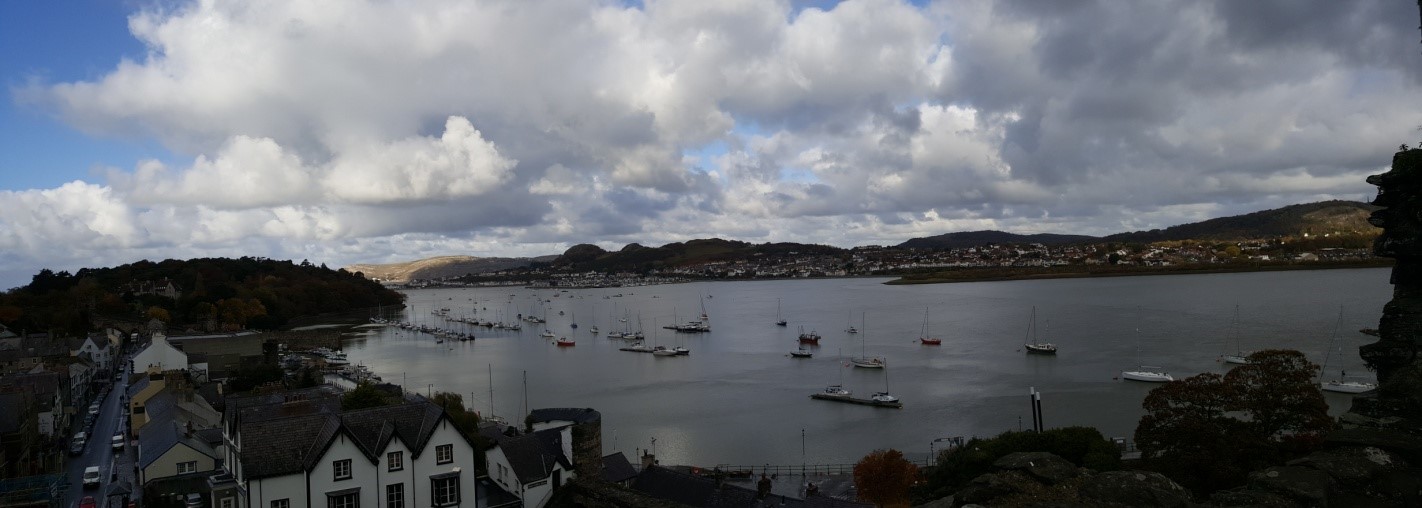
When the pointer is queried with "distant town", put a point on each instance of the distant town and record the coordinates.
(992, 261)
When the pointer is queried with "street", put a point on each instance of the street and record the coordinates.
(99, 450)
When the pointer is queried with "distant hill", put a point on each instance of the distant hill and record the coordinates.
(441, 267)
(1325, 217)
(636, 257)
(963, 240)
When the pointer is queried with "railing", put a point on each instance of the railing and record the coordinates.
(33, 490)
(773, 469)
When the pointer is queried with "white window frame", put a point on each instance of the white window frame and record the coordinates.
(395, 460)
(187, 467)
(338, 466)
(446, 489)
(444, 454)
(281, 503)
(395, 495)
(336, 501)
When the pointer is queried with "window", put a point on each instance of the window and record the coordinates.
(225, 502)
(342, 469)
(446, 489)
(395, 496)
(281, 503)
(343, 499)
(187, 467)
(444, 454)
(396, 460)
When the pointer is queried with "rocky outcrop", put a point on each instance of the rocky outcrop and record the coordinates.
(1044, 479)
(1133, 488)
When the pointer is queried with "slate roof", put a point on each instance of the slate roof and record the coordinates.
(279, 446)
(137, 386)
(167, 405)
(663, 483)
(286, 438)
(318, 399)
(616, 468)
(157, 438)
(41, 385)
(566, 414)
(532, 456)
(374, 427)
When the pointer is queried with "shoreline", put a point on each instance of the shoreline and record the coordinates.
(967, 275)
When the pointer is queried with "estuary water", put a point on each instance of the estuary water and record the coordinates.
(740, 399)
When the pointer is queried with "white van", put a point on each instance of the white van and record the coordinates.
(117, 441)
(91, 476)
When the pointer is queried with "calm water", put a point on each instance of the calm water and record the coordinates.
(740, 399)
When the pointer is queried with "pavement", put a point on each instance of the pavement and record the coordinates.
(99, 451)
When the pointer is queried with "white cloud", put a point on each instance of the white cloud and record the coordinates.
(362, 130)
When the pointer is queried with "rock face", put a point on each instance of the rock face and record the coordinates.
(1043, 479)
(1395, 355)
(1133, 488)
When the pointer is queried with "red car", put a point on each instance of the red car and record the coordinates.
(87, 502)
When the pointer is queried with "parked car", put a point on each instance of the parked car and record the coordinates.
(118, 441)
(76, 445)
(87, 502)
(92, 476)
(193, 501)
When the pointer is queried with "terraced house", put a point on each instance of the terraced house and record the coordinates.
(298, 450)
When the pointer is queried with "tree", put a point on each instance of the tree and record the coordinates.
(365, 395)
(160, 314)
(1206, 431)
(883, 477)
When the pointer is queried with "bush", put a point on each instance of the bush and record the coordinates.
(1083, 446)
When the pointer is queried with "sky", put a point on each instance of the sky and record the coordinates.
(370, 131)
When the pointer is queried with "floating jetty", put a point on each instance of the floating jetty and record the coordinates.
(856, 400)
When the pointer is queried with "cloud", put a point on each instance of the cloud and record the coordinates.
(358, 130)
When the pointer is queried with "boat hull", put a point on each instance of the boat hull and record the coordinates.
(1040, 349)
(1347, 386)
(855, 400)
(1147, 377)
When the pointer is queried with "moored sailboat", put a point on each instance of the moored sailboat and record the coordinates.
(1034, 347)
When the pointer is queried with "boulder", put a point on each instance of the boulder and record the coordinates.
(1251, 498)
(1046, 467)
(987, 487)
(1402, 486)
(1305, 485)
(1352, 466)
(1133, 488)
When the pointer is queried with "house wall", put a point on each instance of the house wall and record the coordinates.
(425, 466)
(137, 419)
(261, 493)
(167, 464)
(322, 476)
(161, 355)
(501, 472)
(405, 476)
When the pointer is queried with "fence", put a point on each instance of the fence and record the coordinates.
(41, 490)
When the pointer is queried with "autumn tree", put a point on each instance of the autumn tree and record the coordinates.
(160, 314)
(1207, 431)
(883, 477)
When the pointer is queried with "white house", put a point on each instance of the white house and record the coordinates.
(307, 454)
(532, 466)
(159, 355)
(97, 350)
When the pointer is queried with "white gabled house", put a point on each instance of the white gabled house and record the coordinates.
(565, 443)
(532, 466)
(159, 355)
(97, 350)
(307, 454)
